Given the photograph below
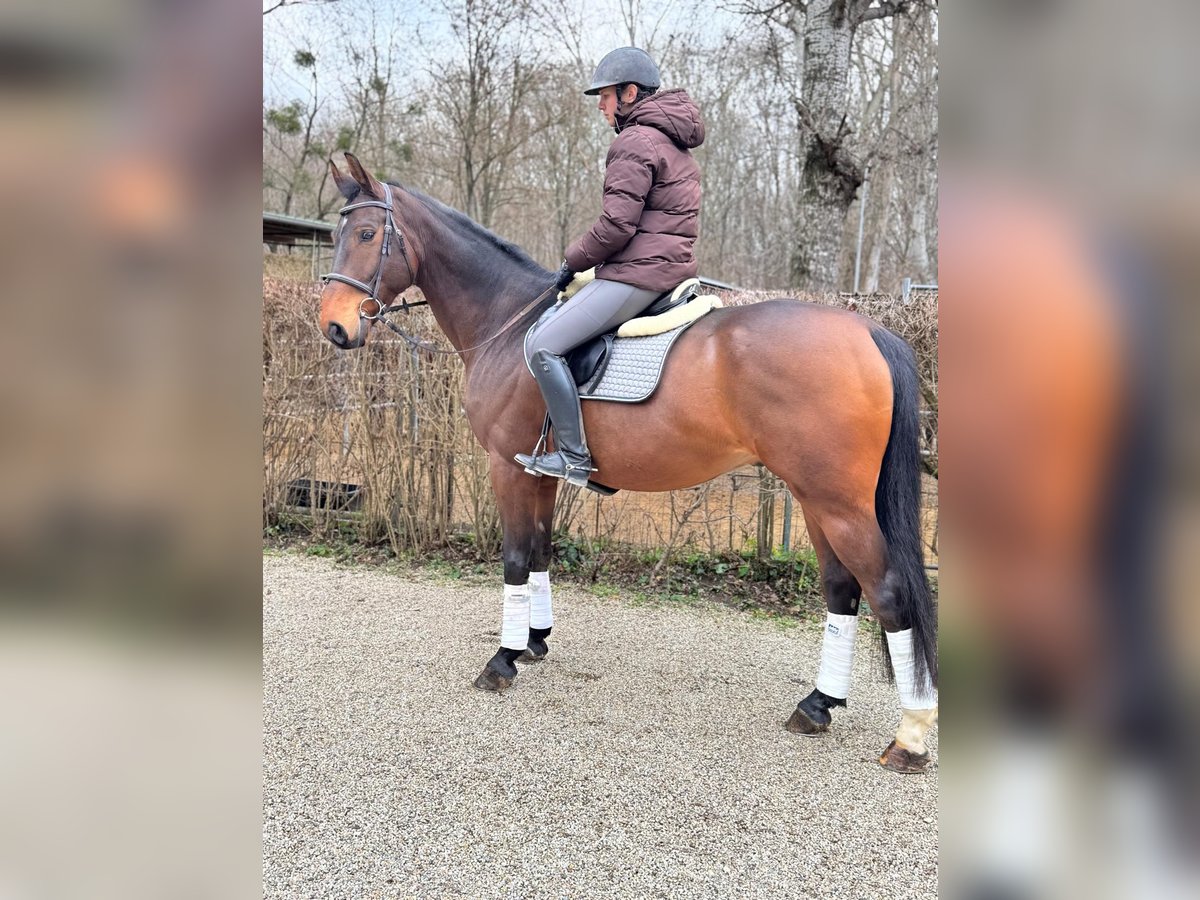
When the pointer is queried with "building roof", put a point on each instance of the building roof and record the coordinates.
(281, 229)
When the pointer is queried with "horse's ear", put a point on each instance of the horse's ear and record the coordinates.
(363, 178)
(346, 185)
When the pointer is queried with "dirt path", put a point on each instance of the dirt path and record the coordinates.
(644, 758)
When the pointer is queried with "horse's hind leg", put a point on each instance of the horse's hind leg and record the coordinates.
(842, 592)
(855, 537)
(516, 495)
(541, 610)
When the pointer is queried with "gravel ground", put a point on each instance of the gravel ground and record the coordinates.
(644, 758)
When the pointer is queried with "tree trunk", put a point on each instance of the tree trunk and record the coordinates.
(830, 176)
(917, 257)
(879, 206)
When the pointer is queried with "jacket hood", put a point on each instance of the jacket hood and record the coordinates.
(671, 112)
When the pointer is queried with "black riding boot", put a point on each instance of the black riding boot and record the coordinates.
(571, 460)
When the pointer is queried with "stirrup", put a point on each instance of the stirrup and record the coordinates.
(573, 473)
(528, 461)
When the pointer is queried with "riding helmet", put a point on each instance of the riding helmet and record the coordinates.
(624, 65)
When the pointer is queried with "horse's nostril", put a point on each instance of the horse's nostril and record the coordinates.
(337, 334)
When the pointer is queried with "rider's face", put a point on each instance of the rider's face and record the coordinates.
(608, 102)
(608, 105)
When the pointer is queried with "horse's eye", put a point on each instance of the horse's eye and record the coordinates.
(368, 235)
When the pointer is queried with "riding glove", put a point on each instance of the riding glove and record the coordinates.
(565, 277)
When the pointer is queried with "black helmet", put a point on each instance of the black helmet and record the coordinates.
(624, 65)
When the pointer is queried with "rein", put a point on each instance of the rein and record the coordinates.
(421, 345)
(372, 289)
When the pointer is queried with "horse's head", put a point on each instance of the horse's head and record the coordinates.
(372, 262)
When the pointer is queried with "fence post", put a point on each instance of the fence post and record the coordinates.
(787, 521)
(766, 512)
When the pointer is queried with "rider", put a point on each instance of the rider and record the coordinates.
(641, 246)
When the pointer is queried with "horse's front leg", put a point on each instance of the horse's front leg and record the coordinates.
(541, 610)
(517, 496)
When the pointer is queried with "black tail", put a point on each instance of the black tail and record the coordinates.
(898, 505)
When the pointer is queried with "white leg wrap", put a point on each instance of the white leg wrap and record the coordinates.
(514, 626)
(541, 610)
(912, 695)
(837, 655)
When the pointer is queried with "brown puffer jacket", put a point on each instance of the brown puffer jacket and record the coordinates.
(647, 231)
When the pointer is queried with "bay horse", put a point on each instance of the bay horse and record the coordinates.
(826, 399)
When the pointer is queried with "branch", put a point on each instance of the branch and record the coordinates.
(278, 4)
(768, 10)
(885, 9)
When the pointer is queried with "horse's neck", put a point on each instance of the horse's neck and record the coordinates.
(472, 286)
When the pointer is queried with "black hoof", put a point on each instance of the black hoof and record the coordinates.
(491, 680)
(897, 759)
(535, 652)
(499, 673)
(801, 723)
(811, 715)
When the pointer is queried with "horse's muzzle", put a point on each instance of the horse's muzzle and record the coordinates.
(340, 338)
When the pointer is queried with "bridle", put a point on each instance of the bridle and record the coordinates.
(372, 289)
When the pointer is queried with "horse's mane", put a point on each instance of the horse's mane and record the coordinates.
(464, 223)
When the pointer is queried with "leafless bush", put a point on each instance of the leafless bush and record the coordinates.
(385, 420)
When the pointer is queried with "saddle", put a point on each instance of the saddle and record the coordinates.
(625, 364)
(589, 360)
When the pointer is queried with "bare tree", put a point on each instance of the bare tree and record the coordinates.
(880, 118)
(374, 112)
(359, 106)
(798, 106)
(642, 33)
(485, 98)
(565, 161)
(288, 141)
(899, 136)
(920, 195)
(748, 164)
(831, 170)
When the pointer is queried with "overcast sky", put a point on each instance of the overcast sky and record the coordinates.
(421, 28)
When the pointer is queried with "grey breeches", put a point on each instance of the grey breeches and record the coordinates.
(599, 307)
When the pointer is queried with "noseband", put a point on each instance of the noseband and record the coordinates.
(372, 289)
